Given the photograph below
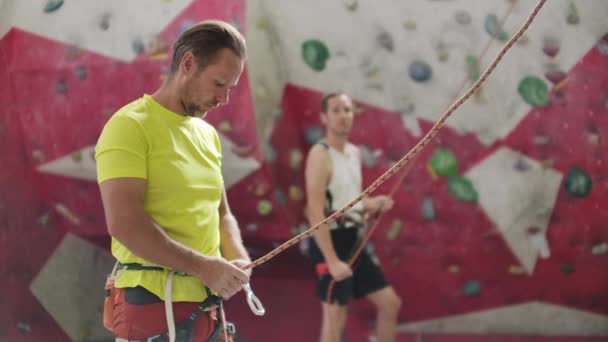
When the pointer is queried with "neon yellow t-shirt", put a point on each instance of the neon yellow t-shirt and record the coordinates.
(180, 157)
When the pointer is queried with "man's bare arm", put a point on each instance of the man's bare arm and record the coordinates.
(231, 243)
(317, 176)
(127, 221)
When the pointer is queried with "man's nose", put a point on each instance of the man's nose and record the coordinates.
(222, 97)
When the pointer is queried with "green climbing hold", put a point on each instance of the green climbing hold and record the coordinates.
(534, 91)
(52, 5)
(573, 17)
(444, 163)
(494, 29)
(471, 288)
(462, 189)
(264, 207)
(567, 268)
(473, 67)
(315, 54)
(578, 183)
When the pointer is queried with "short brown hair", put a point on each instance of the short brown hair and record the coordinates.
(204, 40)
(326, 98)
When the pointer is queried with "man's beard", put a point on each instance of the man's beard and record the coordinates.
(341, 132)
(195, 110)
(191, 109)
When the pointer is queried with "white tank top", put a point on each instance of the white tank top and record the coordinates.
(345, 183)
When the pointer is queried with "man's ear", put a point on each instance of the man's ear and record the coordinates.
(188, 64)
(323, 117)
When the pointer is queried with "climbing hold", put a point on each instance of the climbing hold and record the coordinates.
(534, 91)
(493, 28)
(454, 269)
(315, 54)
(264, 207)
(295, 193)
(43, 219)
(138, 46)
(555, 76)
(251, 227)
(541, 139)
(521, 164)
(52, 5)
(313, 134)
(81, 73)
(472, 288)
(24, 327)
(572, 16)
(578, 183)
(409, 25)
(593, 138)
(567, 268)
(516, 270)
(38, 155)
(394, 230)
(225, 126)
(420, 71)
(104, 21)
(442, 53)
(260, 188)
(385, 40)
(473, 69)
(462, 189)
(550, 46)
(280, 196)
(599, 248)
(295, 159)
(270, 154)
(444, 163)
(428, 209)
(462, 17)
(73, 52)
(262, 23)
(351, 5)
(67, 214)
(61, 87)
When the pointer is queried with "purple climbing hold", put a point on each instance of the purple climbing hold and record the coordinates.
(551, 46)
(555, 76)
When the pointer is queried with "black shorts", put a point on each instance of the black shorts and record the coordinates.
(367, 275)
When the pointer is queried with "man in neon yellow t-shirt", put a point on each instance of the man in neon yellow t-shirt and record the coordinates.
(159, 173)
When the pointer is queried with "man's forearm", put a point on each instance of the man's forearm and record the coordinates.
(231, 243)
(148, 240)
(323, 239)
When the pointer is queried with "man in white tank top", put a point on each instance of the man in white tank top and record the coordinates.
(333, 179)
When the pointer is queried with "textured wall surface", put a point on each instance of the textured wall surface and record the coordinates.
(499, 231)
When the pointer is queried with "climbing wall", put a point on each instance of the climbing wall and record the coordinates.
(498, 225)
(65, 68)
